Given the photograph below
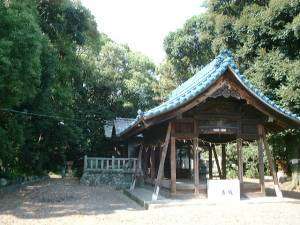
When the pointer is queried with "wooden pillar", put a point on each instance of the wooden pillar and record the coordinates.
(190, 168)
(239, 146)
(160, 158)
(196, 165)
(138, 168)
(217, 161)
(162, 163)
(224, 161)
(148, 163)
(140, 160)
(271, 165)
(210, 165)
(173, 165)
(152, 164)
(261, 158)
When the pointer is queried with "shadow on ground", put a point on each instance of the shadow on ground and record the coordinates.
(63, 197)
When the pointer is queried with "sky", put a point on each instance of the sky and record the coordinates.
(142, 24)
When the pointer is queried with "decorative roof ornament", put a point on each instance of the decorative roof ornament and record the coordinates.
(140, 113)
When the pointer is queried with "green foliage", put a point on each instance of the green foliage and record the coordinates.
(20, 35)
(54, 62)
(189, 48)
(232, 161)
(250, 161)
(167, 80)
(130, 77)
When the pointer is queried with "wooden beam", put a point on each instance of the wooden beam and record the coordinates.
(210, 164)
(160, 157)
(196, 165)
(217, 161)
(273, 171)
(140, 159)
(162, 163)
(173, 165)
(271, 164)
(224, 161)
(239, 145)
(137, 169)
(261, 158)
(148, 164)
(152, 164)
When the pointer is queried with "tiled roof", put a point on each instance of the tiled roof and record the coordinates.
(119, 124)
(203, 80)
(122, 123)
(108, 128)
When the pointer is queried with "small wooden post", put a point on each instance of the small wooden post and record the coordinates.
(210, 165)
(119, 165)
(138, 169)
(152, 164)
(271, 165)
(85, 162)
(96, 164)
(107, 164)
(261, 158)
(224, 161)
(113, 162)
(162, 163)
(140, 160)
(196, 165)
(217, 161)
(173, 165)
(190, 168)
(134, 164)
(239, 146)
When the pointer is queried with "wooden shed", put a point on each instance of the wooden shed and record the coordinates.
(216, 105)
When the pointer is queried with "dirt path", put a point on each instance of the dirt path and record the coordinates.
(58, 202)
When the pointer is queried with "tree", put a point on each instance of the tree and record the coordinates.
(130, 77)
(167, 80)
(20, 50)
(60, 80)
(189, 48)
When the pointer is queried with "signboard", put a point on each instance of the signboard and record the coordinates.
(295, 161)
(218, 190)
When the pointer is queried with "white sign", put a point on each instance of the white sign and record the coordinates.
(295, 161)
(218, 190)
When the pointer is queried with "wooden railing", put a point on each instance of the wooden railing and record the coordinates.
(115, 164)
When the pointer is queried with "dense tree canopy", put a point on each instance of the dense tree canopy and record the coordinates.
(60, 79)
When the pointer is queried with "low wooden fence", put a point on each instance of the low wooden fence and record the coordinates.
(115, 164)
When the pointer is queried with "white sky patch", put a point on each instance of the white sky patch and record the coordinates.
(142, 24)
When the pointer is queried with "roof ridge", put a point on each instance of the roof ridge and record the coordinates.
(224, 54)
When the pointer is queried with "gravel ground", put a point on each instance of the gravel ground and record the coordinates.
(59, 201)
